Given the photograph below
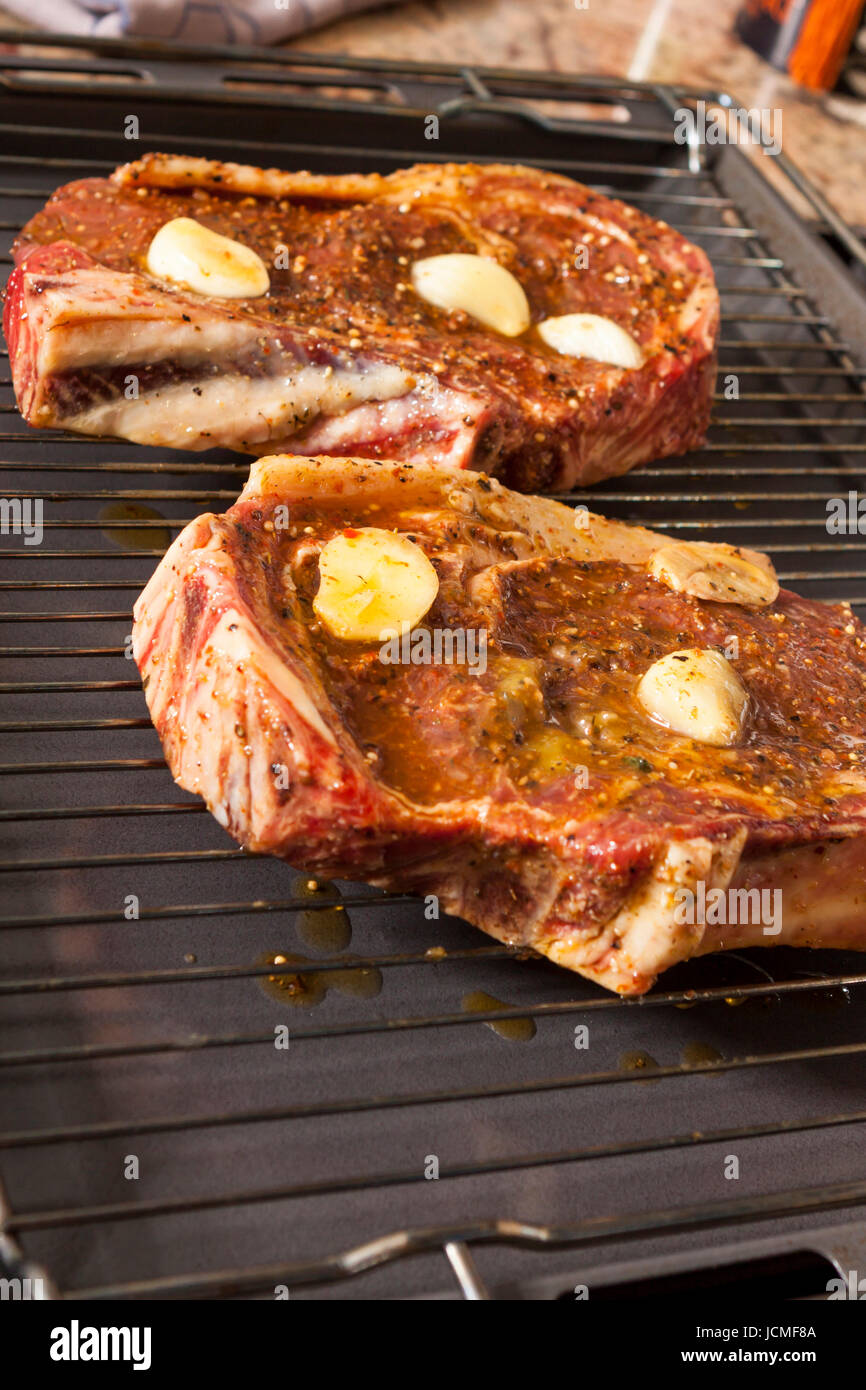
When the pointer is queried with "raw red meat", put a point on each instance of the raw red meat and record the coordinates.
(535, 797)
(342, 356)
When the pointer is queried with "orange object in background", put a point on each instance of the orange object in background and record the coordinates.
(809, 39)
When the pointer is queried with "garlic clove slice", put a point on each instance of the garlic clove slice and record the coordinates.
(196, 258)
(716, 572)
(373, 583)
(696, 693)
(593, 336)
(479, 286)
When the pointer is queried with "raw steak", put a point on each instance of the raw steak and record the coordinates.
(535, 797)
(342, 356)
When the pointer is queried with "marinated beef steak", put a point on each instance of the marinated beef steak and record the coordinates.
(342, 355)
(531, 790)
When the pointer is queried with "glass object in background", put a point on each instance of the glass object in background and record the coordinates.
(809, 39)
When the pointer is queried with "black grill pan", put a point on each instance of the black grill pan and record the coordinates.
(151, 1037)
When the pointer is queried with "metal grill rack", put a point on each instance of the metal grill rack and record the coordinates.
(152, 1036)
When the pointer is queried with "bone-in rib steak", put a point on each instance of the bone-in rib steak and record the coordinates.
(532, 791)
(342, 355)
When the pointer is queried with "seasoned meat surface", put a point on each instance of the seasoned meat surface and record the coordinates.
(531, 790)
(342, 356)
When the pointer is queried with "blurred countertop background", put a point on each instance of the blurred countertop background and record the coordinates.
(688, 42)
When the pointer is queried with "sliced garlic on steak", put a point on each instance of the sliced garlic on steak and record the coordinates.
(717, 572)
(373, 584)
(193, 256)
(477, 285)
(696, 693)
(591, 335)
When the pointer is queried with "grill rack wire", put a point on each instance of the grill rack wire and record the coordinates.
(791, 439)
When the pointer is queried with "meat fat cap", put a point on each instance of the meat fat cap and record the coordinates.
(553, 527)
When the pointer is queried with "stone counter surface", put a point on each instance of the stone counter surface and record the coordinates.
(690, 42)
